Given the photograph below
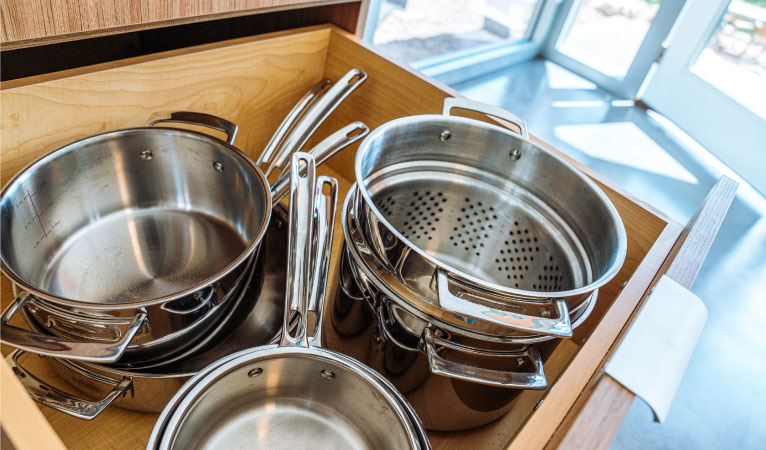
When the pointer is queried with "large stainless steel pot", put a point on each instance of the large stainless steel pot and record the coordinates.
(454, 376)
(149, 389)
(297, 394)
(484, 223)
(132, 245)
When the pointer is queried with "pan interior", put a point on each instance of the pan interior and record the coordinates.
(131, 216)
(295, 401)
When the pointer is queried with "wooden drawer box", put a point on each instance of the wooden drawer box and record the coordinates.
(254, 82)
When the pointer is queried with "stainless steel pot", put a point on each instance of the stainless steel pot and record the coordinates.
(297, 393)
(484, 223)
(149, 389)
(454, 377)
(131, 245)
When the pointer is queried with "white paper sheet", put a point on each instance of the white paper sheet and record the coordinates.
(653, 355)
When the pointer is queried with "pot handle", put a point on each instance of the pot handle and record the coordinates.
(299, 252)
(558, 326)
(321, 152)
(47, 345)
(307, 124)
(326, 204)
(508, 379)
(202, 119)
(59, 400)
(451, 103)
(300, 108)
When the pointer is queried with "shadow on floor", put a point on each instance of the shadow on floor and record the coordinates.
(721, 402)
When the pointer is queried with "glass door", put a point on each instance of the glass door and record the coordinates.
(711, 82)
(612, 43)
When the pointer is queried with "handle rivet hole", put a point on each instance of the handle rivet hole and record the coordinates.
(218, 166)
(515, 154)
(327, 374)
(445, 135)
(255, 372)
(147, 155)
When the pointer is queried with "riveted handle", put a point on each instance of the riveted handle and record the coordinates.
(204, 120)
(558, 326)
(509, 379)
(451, 103)
(44, 344)
(59, 400)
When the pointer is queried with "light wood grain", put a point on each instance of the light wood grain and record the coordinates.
(595, 419)
(253, 76)
(24, 425)
(37, 22)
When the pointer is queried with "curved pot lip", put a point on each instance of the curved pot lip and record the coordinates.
(622, 239)
(184, 399)
(246, 253)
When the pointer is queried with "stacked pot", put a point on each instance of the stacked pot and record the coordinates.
(467, 247)
(135, 251)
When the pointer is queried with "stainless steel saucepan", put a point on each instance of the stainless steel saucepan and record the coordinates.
(297, 394)
(130, 246)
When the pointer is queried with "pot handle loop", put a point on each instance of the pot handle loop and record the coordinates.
(451, 103)
(58, 347)
(304, 127)
(508, 379)
(559, 326)
(299, 254)
(331, 145)
(59, 400)
(202, 119)
(326, 204)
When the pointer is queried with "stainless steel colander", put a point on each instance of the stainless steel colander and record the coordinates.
(483, 221)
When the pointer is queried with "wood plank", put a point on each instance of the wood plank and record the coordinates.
(23, 424)
(39, 22)
(596, 417)
(253, 83)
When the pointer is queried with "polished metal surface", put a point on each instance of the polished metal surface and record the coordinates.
(98, 222)
(295, 395)
(375, 277)
(488, 216)
(152, 387)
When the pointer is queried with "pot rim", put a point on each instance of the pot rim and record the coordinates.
(181, 403)
(249, 250)
(622, 240)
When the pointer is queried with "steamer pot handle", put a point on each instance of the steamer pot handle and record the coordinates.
(202, 119)
(57, 347)
(508, 379)
(326, 204)
(59, 400)
(321, 152)
(451, 103)
(317, 113)
(559, 326)
(299, 251)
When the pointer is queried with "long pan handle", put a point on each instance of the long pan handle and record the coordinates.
(326, 204)
(299, 255)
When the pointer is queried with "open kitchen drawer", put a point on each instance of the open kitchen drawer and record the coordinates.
(254, 82)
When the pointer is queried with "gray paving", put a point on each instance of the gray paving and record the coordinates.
(721, 403)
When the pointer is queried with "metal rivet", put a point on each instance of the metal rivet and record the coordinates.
(218, 166)
(327, 374)
(515, 154)
(546, 313)
(255, 372)
(445, 135)
(147, 155)
(520, 361)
